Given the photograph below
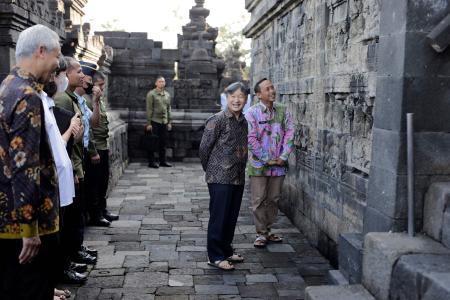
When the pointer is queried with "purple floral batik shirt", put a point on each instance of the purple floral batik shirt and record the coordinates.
(270, 136)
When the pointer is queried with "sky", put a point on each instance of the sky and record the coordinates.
(162, 19)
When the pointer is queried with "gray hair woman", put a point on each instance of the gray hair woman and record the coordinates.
(223, 153)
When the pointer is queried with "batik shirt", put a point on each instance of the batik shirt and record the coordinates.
(270, 136)
(223, 149)
(29, 196)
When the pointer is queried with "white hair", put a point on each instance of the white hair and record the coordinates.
(34, 37)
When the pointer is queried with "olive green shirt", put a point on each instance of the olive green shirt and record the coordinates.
(99, 135)
(69, 101)
(158, 107)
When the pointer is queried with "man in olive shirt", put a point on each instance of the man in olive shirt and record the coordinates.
(97, 165)
(74, 214)
(158, 120)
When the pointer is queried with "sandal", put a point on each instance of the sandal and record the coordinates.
(260, 241)
(236, 258)
(224, 265)
(62, 294)
(274, 238)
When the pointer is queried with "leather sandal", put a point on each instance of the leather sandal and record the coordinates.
(260, 242)
(224, 265)
(236, 258)
(272, 238)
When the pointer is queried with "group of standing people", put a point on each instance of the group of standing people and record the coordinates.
(54, 167)
(260, 141)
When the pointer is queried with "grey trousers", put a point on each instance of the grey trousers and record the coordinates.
(265, 193)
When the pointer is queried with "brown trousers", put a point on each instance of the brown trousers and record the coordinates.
(265, 193)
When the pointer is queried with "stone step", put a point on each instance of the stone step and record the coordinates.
(335, 277)
(341, 292)
(436, 216)
(382, 251)
(421, 276)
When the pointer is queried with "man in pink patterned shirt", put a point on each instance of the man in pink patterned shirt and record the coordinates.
(270, 141)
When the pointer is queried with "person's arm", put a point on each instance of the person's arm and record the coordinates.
(254, 140)
(74, 128)
(149, 104)
(169, 115)
(95, 117)
(288, 138)
(25, 133)
(209, 138)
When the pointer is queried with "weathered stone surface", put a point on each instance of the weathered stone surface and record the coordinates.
(350, 256)
(174, 266)
(437, 200)
(421, 276)
(144, 279)
(216, 289)
(381, 250)
(342, 292)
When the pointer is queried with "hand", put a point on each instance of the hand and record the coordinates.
(75, 179)
(30, 248)
(280, 162)
(79, 134)
(75, 125)
(148, 128)
(95, 159)
(97, 93)
(169, 127)
(271, 162)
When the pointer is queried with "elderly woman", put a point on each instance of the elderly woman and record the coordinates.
(223, 153)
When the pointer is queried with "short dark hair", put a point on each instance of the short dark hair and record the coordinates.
(237, 86)
(98, 76)
(159, 77)
(257, 87)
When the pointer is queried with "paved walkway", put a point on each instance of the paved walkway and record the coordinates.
(157, 250)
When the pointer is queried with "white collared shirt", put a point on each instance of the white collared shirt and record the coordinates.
(62, 161)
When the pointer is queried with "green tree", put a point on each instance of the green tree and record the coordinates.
(232, 46)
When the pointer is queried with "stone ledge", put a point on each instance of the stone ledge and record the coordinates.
(342, 292)
(437, 200)
(335, 277)
(425, 277)
(381, 251)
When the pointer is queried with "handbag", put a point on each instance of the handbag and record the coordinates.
(149, 142)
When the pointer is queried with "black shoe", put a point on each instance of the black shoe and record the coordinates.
(90, 251)
(84, 258)
(70, 276)
(101, 222)
(165, 164)
(79, 268)
(110, 217)
(153, 165)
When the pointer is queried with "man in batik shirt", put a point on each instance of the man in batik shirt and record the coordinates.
(29, 197)
(270, 141)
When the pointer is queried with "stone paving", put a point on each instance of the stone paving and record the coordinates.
(157, 250)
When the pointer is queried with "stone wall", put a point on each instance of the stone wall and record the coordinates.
(15, 16)
(137, 62)
(321, 56)
(65, 18)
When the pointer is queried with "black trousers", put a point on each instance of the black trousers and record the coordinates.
(73, 223)
(161, 131)
(224, 205)
(96, 181)
(31, 281)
